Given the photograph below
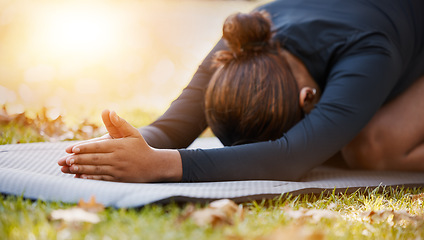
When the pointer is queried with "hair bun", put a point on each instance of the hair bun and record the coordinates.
(249, 32)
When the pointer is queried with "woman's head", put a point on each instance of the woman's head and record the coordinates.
(253, 95)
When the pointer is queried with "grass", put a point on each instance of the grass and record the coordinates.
(12, 133)
(354, 216)
(24, 219)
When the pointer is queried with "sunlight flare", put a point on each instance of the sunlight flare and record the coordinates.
(80, 30)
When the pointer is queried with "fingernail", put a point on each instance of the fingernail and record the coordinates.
(114, 115)
(75, 168)
(76, 150)
(70, 161)
(63, 159)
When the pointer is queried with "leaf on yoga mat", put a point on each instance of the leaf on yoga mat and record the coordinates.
(220, 212)
(91, 205)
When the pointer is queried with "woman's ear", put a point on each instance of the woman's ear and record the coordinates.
(307, 98)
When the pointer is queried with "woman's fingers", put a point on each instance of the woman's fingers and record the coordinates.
(62, 161)
(89, 159)
(117, 126)
(65, 169)
(112, 130)
(104, 137)
(69, 148)
(125, 129)
(91, 169)
(95, 177)
(101, 146)
(98, 177)
(82, 168)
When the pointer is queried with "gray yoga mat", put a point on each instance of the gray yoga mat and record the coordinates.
(31, 170)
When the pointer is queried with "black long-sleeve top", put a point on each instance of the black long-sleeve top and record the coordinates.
(361, 53)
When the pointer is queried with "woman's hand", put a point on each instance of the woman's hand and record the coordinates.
(113, 131)
(122, 155)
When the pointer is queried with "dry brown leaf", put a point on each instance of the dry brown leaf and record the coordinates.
(295, 232)
(20, 118)
(51, 129)
(4, 117)
(210, 216)
(186, 213)
(225, 205)
(220, 212)
(392, 217)
(418, 197)
(91, 205)
(331, 206)
(74, 215)
(84, 212)
(314, 214)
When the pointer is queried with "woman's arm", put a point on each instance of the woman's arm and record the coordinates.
(358, 85)
(185, 119)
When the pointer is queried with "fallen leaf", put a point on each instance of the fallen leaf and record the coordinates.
(392, 217)
(228, 207)
(418, 197)
(51, 129)
(220, 212)
(331, 206)
(83, 212)
(91, 205)
(186, 213)
(4, 117)
(74, 215)
(210, 216)
(314, 214)
(295, 232)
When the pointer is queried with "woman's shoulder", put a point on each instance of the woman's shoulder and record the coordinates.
(318, 24)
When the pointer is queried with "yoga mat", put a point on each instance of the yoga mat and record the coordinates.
(31, 170)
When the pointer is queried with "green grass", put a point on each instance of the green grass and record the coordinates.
(12, 133)
(269, 219)
(24, 219)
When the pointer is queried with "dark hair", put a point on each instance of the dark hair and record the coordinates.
(253, 95)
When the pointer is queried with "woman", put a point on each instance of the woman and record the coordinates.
(330, 76)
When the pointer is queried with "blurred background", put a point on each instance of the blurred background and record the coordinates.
(76, 58)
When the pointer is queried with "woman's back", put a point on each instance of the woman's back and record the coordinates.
(318, 32)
